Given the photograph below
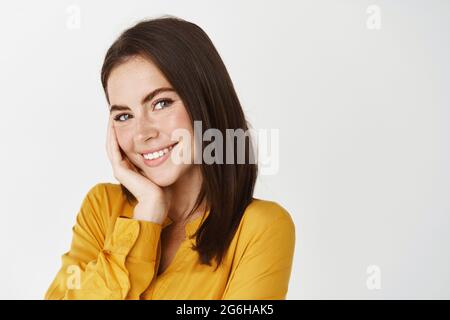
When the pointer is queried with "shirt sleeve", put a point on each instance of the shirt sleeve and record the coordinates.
(264, 269)
(117, 267)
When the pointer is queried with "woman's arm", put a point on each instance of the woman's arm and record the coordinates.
(120, 267)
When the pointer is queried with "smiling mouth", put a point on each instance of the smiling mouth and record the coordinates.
(159, 153)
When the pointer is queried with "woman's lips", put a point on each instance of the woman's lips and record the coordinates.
(157, 150)
(156, 158)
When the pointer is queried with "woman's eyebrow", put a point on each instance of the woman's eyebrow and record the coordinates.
(147, 98)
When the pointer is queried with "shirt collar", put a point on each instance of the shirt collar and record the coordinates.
(191, 226)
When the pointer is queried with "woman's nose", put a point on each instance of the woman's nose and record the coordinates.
(145, 129)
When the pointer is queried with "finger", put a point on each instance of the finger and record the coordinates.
(108, 138)
(115, 149)
(131, 165)
(110, 141)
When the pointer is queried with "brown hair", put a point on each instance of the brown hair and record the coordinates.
(190, 62)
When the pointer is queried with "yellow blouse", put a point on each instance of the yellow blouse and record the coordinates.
(113, 256)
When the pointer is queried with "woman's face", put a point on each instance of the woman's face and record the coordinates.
(144, 125)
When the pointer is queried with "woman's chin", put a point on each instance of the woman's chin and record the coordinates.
(162, 180)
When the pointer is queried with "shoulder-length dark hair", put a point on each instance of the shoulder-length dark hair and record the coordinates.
(190, 62)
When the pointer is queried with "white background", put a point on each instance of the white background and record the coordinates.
(363, 115)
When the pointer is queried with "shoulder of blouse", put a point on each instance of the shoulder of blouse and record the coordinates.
(264, 215)
(107, 201)
(106, 191)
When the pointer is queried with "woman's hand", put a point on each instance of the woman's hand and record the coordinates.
(152, 203)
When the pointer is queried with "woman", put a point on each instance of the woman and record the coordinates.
(174, 229)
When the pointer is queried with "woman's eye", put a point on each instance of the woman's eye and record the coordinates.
(161, 104)
(120, 117)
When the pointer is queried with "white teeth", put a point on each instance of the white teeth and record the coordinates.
(157, 154)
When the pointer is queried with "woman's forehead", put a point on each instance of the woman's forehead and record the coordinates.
(130, 81)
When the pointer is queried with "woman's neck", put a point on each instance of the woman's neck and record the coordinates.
(183, 194)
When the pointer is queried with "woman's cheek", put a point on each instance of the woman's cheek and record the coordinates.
(178, 118)
(125, 140)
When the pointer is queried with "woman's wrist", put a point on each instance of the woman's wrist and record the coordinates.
(151, 211)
